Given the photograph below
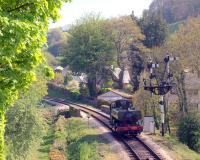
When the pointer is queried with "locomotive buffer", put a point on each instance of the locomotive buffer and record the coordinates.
(160, 87)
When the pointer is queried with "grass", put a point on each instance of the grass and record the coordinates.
(44, 149)
(73, 139)
(40, 151)
(174, 148)
(86, 143)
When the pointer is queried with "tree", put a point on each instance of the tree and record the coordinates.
(23, 31)
(51, 60)
(175, 10)
(57, 40)
(123, 31)
(126, 35)
(154, 28)
(89, 50)
(189, 132)
(24, 120)
(185, 45)
(137, 63)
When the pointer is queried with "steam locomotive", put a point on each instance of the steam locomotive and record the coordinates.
(124, 118)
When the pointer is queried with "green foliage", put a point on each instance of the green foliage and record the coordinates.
(60, 137)
(123, 31)
(89, 49)
(24, 120)
(68, 77)
(55, 91)
(83, 89)
(104, 90)
(189, 132)
(23, 33)
(45, 143)
(58, 79)
(154, 28)
(88, 152)
(57, 40)
(185, 45)
(137, 65)
(73, 86)
(51, 60)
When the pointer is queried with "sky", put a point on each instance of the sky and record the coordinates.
(70, 12)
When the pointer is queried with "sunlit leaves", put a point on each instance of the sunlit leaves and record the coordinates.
(23, 27)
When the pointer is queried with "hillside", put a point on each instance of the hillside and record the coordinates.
(175, 10)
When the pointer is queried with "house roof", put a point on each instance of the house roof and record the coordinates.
(58, 68)
(116, 73)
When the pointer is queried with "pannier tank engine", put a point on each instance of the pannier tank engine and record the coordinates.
(124, 118)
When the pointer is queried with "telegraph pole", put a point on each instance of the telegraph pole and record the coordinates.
(162, 87)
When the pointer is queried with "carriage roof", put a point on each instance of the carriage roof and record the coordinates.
(112, 96)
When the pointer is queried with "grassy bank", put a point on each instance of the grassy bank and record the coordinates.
(70, 139)
(174, 148)
(86, 143)
(43, 145)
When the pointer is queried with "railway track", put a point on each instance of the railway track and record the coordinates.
(136, 147)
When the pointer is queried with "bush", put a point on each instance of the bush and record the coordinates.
(58, 79)
(83, 89)
(56, 91)
(189, 132)
(104, 90)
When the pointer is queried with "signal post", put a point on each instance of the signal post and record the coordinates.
(162, 87)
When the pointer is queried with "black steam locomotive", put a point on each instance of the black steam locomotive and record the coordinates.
(124, 118)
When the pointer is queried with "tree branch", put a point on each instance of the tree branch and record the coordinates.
(19, 7)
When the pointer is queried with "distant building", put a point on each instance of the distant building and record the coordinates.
(80, 79)
(122, 77)
(192, 85)
(58, 69)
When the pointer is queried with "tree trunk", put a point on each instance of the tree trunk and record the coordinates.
(2, 131)
(182, 93)
(92, 86)
(185, 105)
